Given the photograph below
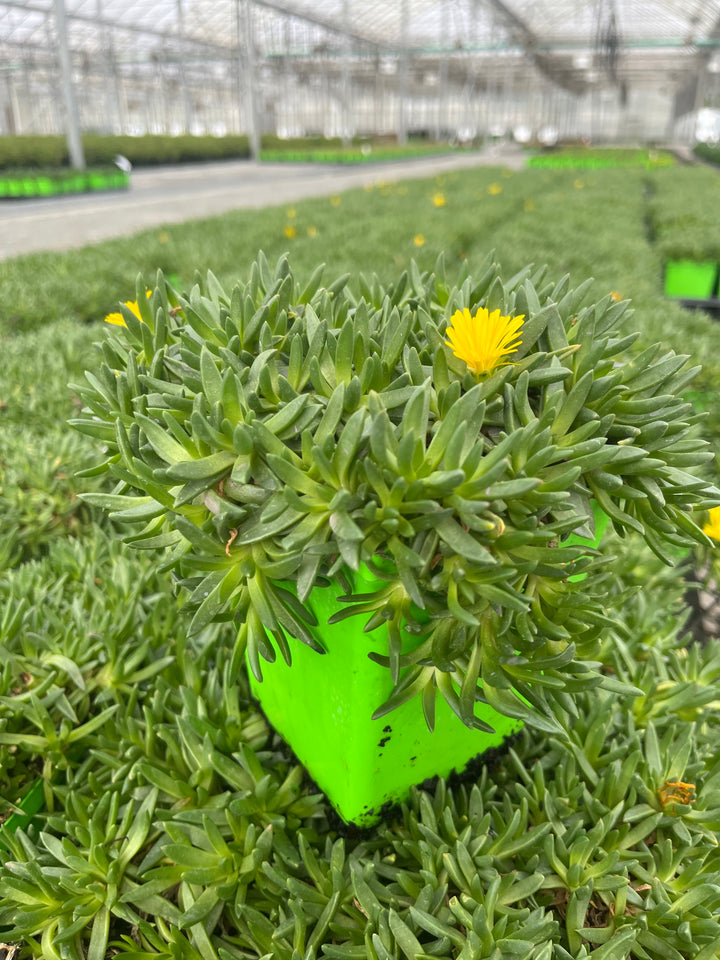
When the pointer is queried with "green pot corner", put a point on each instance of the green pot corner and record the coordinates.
(690, 280)
(25, 810)
(600, 524)
(322, 706)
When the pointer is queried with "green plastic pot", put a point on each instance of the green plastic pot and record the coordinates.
(690, 280)
(322, 706)
(31, 804)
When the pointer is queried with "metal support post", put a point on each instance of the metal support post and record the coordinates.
(251, 81)
(187, 108)
(403, 77)
(72, 116)
(346, 121)
(442, 118)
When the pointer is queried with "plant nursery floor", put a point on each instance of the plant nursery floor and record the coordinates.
(176, 193)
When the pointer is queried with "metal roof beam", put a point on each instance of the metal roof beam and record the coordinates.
(689, 97)
(115, 25)
(565, 76)
(288, 10)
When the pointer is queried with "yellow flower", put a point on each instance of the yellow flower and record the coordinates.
(289, 231)
(483, 340)
(439, 199)
(494, 189)
(616, 295)
(163, 237)
(418, 240)
(712, 528)
(336, 201)
(578, 184)
(119, 320)
(529, 204)
(312, 231)
(291, 213)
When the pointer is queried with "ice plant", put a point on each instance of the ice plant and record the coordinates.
(117, 318)
(484, 339)
(712, 527)
(289, 439)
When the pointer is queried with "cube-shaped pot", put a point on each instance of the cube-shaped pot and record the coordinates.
(690, 280)
(322, 706)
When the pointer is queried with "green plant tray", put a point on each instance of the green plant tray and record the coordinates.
(350, 156)
(13, 187)
(31, 804)
(599, 159)
(690, 279)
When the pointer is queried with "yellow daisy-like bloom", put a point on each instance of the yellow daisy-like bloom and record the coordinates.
(616, 295)
(118, 320)
(712, 527)
(578, 184)
(483, 340)
(494, 189)
(439, 199)
(289, 231)
(418, 240)
(336, 201)
(291, 213)
(312, 231)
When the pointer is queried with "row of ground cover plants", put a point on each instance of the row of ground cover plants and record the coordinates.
(23, 153)
(176, 824)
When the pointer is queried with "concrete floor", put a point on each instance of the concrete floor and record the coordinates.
(172, 194)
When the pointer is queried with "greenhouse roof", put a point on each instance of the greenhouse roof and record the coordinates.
(645, 36)
(429, 23)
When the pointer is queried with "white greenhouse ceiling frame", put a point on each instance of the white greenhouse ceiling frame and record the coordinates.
(447, 68)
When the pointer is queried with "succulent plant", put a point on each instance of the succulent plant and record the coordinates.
(275, 439)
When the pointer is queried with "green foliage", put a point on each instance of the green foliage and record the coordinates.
(291, 432)
(707, 151)
(39, 459)
(49, 182)
(588, 158)
(51, 151)
(177, 826)
(682, 215)
(335, 152)
(182, 809)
